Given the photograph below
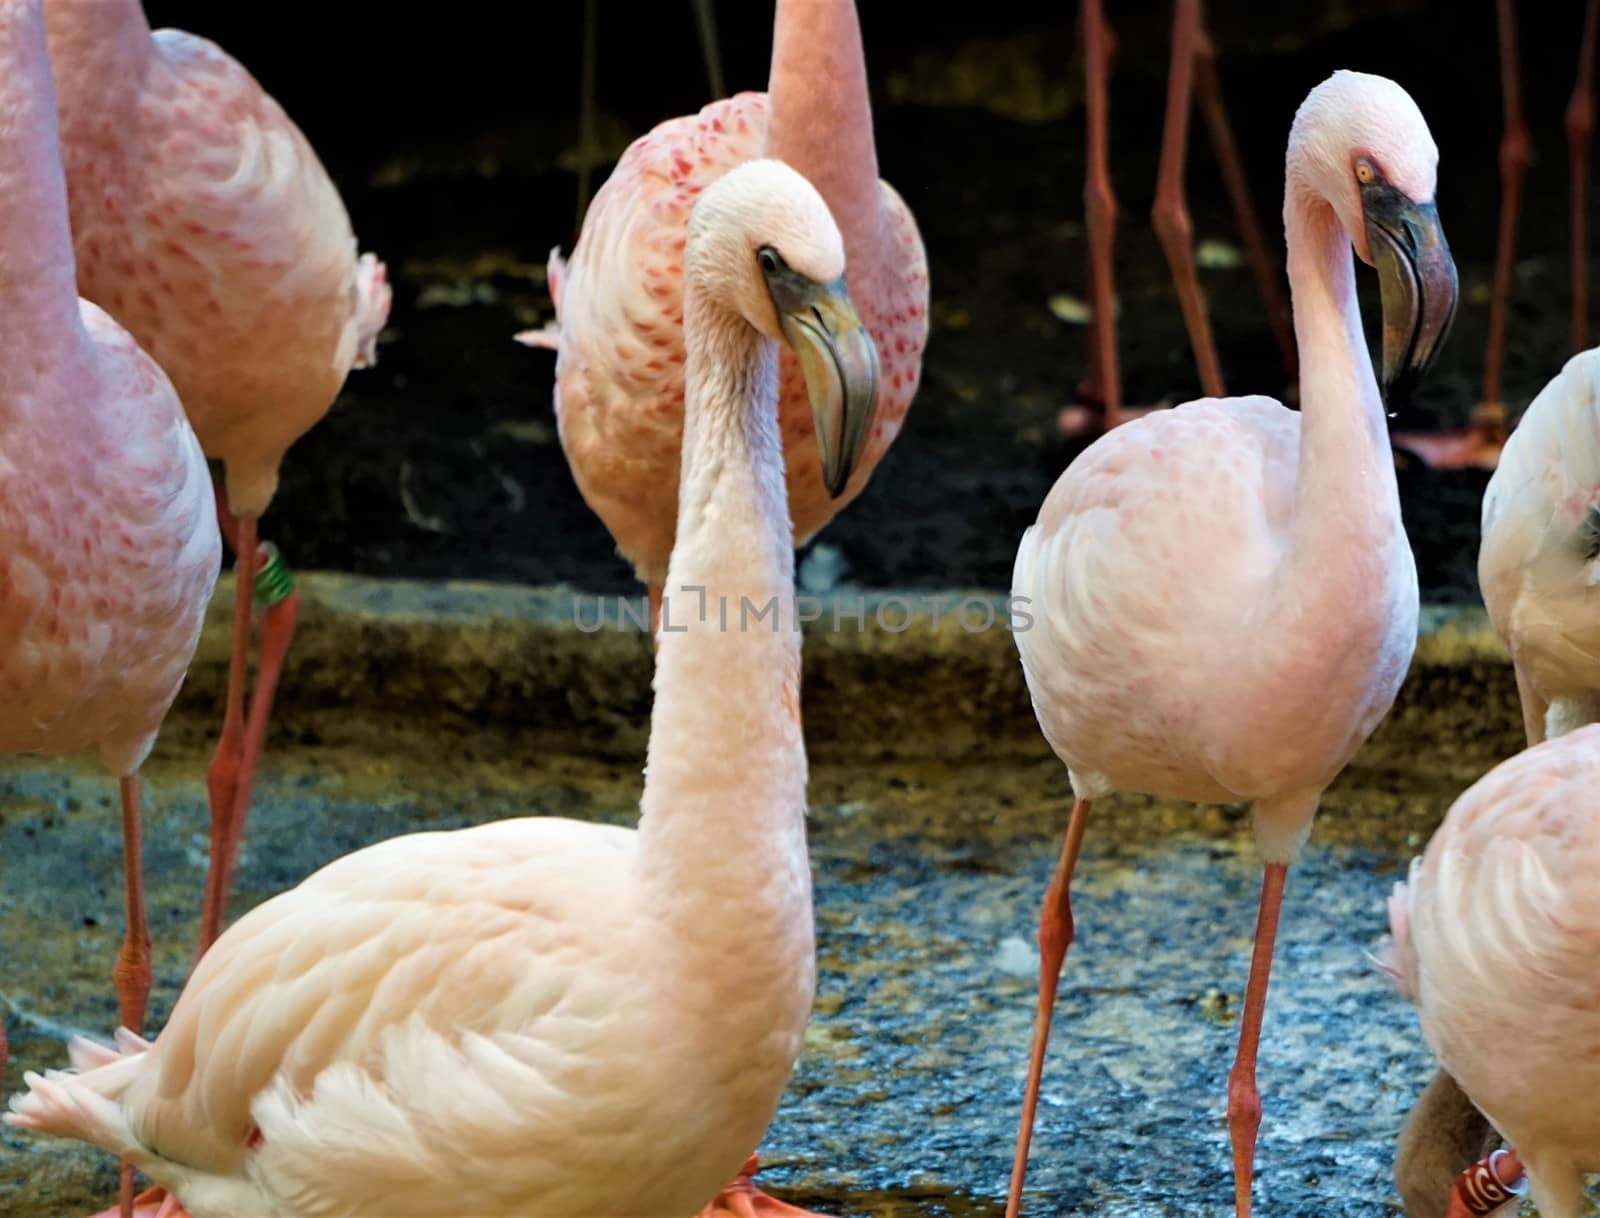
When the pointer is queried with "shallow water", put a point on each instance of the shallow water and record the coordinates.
(928, 882)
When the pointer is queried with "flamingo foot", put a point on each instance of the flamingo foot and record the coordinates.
(153, 1203)
(1086, 420)
(1474, 447)
(742, 1199)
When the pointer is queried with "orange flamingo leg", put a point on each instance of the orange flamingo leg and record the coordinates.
(1263, 265)
(1170, 215)
(1580, 134)
(262, 576)
(1480, 443)
(132, 974)
(222, 775)
(1100, 223)
(1055, 937)
(1489, 1185)
(1244, 1100)
(742, 1199)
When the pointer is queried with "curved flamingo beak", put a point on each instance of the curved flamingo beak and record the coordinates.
(1417, 283)
(840, 363)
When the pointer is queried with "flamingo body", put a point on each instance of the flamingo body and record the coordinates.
(1496, 938)
(111, 549)
(619, 305)
(1166, 654)
(480, 1028)
(205, 223)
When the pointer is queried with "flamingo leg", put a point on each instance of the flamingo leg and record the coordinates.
(742, 1199)
(705, 20)
(1170, 215)
(223, 774)
(1580, 133)
(1244, 1100)
(1055, 937)
(1479, 445)
(1100, 216)
(132, 973)
(1263, 266)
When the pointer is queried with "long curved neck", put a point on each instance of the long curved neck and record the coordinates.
(821, 121)
(723, 813)
(39, 322)
(1347, 501)
(101, 50)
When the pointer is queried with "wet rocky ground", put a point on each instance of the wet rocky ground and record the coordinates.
(930, 855)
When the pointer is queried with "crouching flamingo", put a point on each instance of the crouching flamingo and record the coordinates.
(542, 1016)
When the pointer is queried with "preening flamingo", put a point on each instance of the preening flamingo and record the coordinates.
(543, 1016)
(1220, 599)
(1192, 77)
(108, 536)
(1480, 443)
(619, 299)
(1496, 938)
(1538, 570)
(204, 222)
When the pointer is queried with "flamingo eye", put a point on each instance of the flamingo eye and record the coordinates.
(769, 260)
(1366, 173)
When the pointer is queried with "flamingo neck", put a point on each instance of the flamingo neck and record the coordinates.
(39, 322)
(1347, 501)
(101, 50)
(722, 835)
(821, 121)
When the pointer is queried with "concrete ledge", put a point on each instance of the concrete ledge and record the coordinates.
(914, 678)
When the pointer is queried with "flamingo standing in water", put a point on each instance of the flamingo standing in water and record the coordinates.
(110, 538)
(542, 1016)
(1496, 938)
(1539, 572)
(204, 222)
(619, 300)
(1252, 667)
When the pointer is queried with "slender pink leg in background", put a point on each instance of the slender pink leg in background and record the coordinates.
(1244, 1101)
(1100, 217)
(1580, 134)
(1055, 937)
(1170, 215)
(1263, 265)
(1479, 445)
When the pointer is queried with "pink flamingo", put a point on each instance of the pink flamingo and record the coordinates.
(204, 222)
(1220, 600)
(1494, 939)
(619, 300)
(1538, 569)
(110, 538)
(543, 1016)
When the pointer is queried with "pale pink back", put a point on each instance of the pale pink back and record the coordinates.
(204, 222)
(619, 371)
(1497, 940)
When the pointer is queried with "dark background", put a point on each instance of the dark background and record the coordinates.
(452, 132)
